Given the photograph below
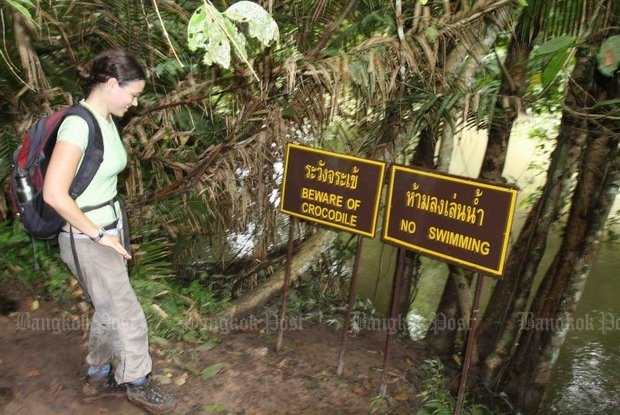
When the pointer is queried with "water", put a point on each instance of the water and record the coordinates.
(586, 379)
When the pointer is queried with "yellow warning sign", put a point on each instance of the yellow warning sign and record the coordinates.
(459, 220)
(332, 189)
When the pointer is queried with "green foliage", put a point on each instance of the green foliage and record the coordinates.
(212, 370)
(379, 403)
(431, 34)
(175, 310)
(214, 408)
(40, 270)
(9, 140)
(551, 58)
(261, 25)
(171, 315)
(437, 399)
(58, 281)
(216, 33)
(23, 7)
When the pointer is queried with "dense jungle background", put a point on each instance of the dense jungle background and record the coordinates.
(397, 81)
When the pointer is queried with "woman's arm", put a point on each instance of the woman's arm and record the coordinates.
(60, 172)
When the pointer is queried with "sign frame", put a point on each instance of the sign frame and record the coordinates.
(446, 189)
(337, 185)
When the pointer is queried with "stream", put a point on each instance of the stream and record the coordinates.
(586, 379)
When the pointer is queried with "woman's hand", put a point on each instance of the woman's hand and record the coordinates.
(114, 242)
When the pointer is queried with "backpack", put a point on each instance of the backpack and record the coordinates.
(30, 162)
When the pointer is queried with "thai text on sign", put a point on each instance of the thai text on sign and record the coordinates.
(463, 221)
(332, 189)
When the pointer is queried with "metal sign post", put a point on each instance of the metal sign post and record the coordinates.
(336, 190)
(389, 338)
(471, 338)
(287, 279)
(347, 318)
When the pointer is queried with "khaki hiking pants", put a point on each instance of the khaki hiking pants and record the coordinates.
(118, 330)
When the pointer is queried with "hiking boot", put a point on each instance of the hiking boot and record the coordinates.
(149, 397)
(100, 387)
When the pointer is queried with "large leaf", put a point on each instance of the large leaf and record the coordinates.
(207, 30)
(217, 33)
(261, 25)
(554, 54)
(555, 66)
(556, 45)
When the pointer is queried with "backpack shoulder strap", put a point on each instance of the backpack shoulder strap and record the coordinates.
(93, 155)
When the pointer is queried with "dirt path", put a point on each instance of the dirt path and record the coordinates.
(42, 353)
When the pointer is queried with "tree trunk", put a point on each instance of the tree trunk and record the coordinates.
(513, 86)
(31, 67)
(590, 207)
(582, 256)
(499, 328)
(391, 133)
(443, 331)
(457, 295)
(512, 89)
(422, 157)
(507, 106)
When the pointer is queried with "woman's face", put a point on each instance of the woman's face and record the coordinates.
(124, 96)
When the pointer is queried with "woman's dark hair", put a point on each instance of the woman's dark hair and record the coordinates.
(114, 63)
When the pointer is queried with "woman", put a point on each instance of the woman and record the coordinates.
(113, 81)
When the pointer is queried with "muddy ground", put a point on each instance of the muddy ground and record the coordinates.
(43, 344)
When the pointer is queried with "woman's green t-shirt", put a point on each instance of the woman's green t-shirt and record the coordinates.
(103, 187)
